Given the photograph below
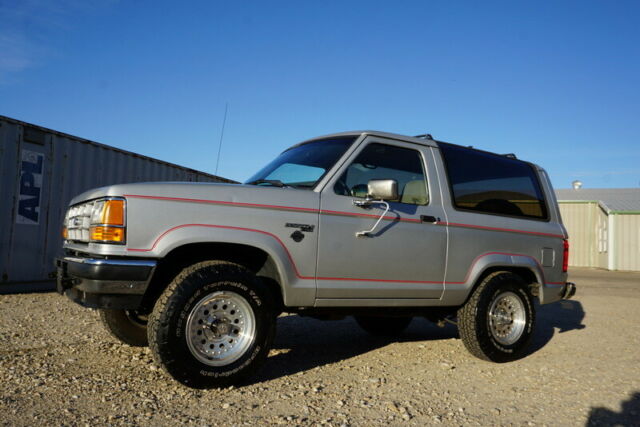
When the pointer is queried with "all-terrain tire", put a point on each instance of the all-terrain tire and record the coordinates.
(383, 326)
(213, 326)
(497, 322)
(127, 326)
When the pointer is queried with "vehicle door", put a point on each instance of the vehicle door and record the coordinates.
(404, 257)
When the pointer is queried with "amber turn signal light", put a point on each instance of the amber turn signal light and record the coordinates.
(102, 233)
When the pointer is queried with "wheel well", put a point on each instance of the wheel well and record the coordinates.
(524, 273)
(256, 260)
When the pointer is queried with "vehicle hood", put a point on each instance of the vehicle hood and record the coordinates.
(205, 191)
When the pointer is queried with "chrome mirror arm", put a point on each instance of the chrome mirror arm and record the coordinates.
(365, 204)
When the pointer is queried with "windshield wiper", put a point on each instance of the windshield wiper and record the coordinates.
(274, 182)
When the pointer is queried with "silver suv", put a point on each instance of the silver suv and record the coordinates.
(380, 226)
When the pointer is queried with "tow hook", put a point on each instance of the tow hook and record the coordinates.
(569, 290)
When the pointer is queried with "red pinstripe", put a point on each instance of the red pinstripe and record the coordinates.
(293, 264)
(221, 202)
(299, 276)
(341, 213)
(510, 230)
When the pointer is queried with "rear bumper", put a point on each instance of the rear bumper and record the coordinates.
(104, 283)
(569, 290)
(557, 291)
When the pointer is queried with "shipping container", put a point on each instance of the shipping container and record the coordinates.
(41, 171)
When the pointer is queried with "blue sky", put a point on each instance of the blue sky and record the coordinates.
(556, 82)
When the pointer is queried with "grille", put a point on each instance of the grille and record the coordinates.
(79, 221)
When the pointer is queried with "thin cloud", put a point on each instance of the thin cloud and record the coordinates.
(26, 27)
(606, 173)
(16, 55)
(13, 57)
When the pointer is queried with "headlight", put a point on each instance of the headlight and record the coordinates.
(107, 221)
(102, 221)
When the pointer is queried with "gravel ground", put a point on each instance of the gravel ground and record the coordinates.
(58, 366)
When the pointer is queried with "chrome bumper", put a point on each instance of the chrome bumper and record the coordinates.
(104, 283)
(569, 290)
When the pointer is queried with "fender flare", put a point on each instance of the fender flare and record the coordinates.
(503, 259)
(186, 234)
(459, 292)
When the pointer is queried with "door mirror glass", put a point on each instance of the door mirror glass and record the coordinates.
(383, 189)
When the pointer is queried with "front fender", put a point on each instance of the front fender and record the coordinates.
(298, 289)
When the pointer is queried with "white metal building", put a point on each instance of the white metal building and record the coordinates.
(603, 226)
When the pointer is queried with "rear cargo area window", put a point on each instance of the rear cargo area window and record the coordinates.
(494, 184)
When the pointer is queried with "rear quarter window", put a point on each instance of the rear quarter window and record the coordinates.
(493, 184)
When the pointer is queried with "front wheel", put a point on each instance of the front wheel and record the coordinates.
(497, 322)
(128, 326)
(213, 325)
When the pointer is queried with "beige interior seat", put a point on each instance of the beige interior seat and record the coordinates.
(415, 192)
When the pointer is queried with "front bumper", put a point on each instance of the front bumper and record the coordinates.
(104, 283)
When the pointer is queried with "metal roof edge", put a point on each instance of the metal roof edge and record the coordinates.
(624, 212)
(604, 207)
(600, 203)
(578, 201)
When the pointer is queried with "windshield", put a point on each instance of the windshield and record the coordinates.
(302, 166)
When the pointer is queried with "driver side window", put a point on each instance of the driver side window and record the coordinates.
(380, 161)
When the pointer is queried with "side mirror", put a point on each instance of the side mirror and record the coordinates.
(383, 189)
(379, 191)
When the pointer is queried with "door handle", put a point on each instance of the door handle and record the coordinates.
(429, 218)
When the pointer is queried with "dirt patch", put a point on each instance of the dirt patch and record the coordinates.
(58, 366)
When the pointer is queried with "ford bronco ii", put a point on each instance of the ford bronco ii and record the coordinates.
(379, 226)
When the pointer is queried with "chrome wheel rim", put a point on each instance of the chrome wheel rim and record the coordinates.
(220, 328)
(507, 318)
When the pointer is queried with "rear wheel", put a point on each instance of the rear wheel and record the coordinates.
(213, 326)
(497, 322)
(128, 326)
(383, 326)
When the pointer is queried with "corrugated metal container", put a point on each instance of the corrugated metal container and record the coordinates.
(42, 170)
(626, 242)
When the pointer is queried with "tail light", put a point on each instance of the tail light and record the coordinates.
(565, 256)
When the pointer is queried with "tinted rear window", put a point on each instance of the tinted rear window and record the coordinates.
(494, 184)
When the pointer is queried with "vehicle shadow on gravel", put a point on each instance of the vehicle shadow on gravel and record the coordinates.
(303, 343)
(565, 316)
(629, 415)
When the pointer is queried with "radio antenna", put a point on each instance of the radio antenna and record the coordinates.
(224, 121)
